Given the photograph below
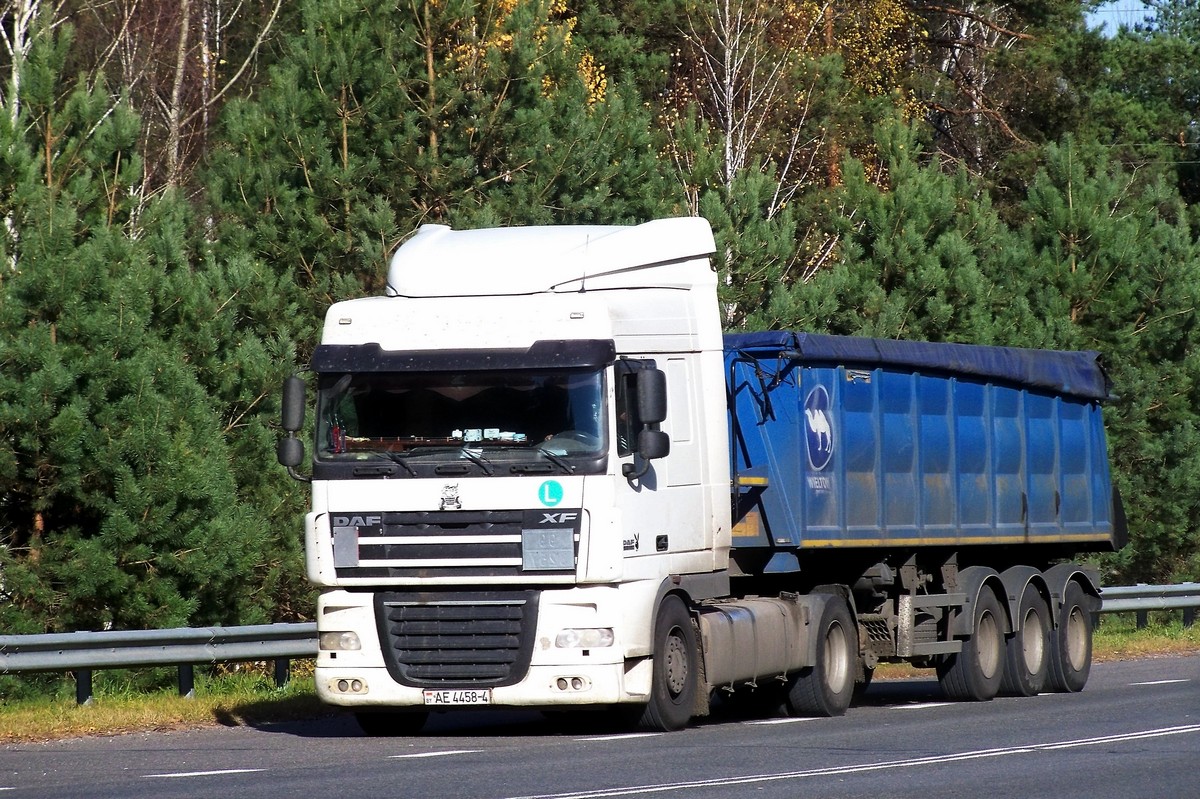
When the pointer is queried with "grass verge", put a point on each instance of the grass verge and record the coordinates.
(230, 699)
(242, 696)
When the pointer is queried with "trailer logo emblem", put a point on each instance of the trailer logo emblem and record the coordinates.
(818, 428)
(550, 493)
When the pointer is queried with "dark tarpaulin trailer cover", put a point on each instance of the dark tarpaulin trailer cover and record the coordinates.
(1077, 374)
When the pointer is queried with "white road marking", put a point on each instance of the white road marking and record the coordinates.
(780, 721)
(624, 736)
(436, 754)
(176, 774)
(833, 771)
(921, 705)
(1158, 682)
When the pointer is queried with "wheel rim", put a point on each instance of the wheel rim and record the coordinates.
(676, 671)
(1076, 639)
(990, 645)
(836, 659)
(1033, 646)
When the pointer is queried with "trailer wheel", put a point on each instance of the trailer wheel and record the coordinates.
(1027, 651)
(674, 684)
(1071, 649)
(391, 724)
(974, 673)
(826, 687)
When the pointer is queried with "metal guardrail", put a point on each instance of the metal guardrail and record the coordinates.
(187, 646)
(81, 652)
(1142, 598)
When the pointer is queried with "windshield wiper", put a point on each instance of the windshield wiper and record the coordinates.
(557, 460)
(399, 459)
(478, 460)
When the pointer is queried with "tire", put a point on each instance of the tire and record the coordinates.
(974, 673)
(1027, 651)
(391, 724)
(826, 687)
(676, 670)
(1071, 644)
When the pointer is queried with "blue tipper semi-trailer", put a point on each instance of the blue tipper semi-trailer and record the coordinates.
(938, 491)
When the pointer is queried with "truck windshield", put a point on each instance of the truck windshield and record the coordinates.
(483, 417)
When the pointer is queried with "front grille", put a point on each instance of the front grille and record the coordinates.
(460, 544)
(457, 639)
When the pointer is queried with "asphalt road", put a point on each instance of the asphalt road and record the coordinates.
(1134, 732)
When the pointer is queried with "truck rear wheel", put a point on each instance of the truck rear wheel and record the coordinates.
(1027, 651)
(826, 687)
(391, 724)
(676, 663)
(1071, 644)
(974, 673)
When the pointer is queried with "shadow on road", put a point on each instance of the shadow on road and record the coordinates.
(468, 724)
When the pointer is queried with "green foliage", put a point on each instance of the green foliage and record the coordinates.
(375, 121)
(922, 256)
(118, 503)
(1048, 199)
(1119, 272)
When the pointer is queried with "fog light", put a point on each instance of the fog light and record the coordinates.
(340, 642)
(343, 685)
(593, 638)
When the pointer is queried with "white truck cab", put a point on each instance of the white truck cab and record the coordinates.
(521, 455)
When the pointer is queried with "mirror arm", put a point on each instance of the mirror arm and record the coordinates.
(632, 472)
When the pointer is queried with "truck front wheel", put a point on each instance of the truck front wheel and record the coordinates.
(826, 687)
(676, 661)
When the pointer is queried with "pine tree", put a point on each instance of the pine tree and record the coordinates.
(920, 255)
(119, 503)
(377, 120)
(1117, 270)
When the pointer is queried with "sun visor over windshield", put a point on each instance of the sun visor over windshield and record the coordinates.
(562, 354)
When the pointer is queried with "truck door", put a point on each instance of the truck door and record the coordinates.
(661, 511)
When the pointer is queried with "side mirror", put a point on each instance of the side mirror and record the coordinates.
(652, 396)
(293, 404)
(653, 444)
(290, 450)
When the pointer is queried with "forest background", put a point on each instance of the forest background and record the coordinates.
(186, 185)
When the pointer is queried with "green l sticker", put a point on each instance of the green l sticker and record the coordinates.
(550, 493)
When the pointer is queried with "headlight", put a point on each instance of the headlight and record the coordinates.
(340, 642)
(594, 638)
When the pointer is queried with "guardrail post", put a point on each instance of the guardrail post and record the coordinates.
(187, 680)
(1143, 619)
(283, 672)
(1189, 617)
(83, 686)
